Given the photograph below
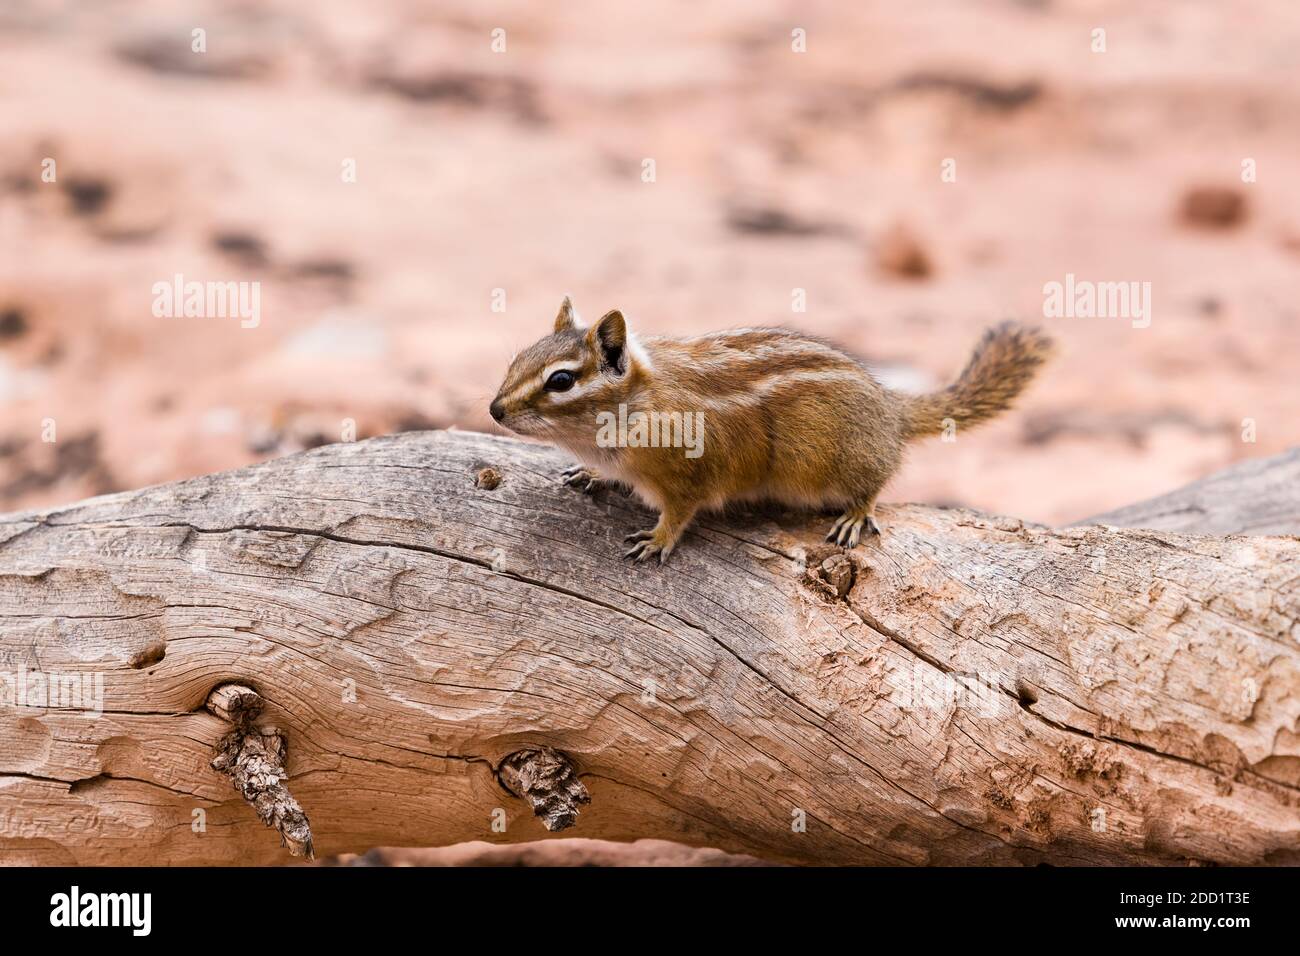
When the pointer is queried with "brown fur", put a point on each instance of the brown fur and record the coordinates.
(1003, 363)
(787, 417)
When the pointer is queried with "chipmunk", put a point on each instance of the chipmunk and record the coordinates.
(788, 418)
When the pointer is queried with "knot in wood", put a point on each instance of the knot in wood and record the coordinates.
(548, 780)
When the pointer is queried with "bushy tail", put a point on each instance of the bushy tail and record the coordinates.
(1003, 363)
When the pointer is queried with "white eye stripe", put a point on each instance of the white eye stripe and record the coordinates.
(529, 388)
(570, 394)
(520, 392)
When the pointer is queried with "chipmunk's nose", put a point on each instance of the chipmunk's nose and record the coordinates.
(497, 409)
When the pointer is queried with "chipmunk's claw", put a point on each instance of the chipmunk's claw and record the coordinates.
(847, 529)
(644, 547)
(643, 551)
(583, 479)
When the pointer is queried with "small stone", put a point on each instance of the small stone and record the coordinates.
(901, 254)
(13, 323)
(1214, 207)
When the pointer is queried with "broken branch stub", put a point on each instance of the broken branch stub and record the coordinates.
(235, 703)
(548, 781)
(254, 761)
(253, 758)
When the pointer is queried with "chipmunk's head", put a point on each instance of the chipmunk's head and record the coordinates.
(555, 387)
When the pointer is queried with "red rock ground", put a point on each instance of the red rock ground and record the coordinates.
(521, 171)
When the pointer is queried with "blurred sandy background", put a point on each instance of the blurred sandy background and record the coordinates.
(521, 171)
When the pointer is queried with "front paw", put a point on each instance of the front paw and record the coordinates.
(582, 478)
(646, 545)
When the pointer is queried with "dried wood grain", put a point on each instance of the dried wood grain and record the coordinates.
(970, 689)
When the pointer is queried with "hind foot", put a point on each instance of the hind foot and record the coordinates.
(848, 529)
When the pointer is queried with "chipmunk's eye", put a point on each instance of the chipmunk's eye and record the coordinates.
(560, 381)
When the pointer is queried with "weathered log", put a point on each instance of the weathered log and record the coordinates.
(967, 689)
(1256, 496)
(1261, 496)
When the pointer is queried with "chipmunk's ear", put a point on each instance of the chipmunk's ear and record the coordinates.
(566, 318)
(609, 336)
